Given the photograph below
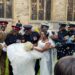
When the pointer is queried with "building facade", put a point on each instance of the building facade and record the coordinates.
(37, 11)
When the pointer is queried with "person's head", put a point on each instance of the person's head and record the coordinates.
(53, 32)
(44, 27)
(62, 26)
(3, 25)
(28, 29)
(18, 21)
(44, 34)
(15, 30)
(65, 66)
(71, 27)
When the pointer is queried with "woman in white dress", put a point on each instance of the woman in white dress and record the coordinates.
(44, 45)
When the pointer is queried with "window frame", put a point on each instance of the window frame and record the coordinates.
(73, 10)
(37, 20)
(5, 17)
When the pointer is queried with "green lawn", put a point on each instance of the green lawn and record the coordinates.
(7, 71)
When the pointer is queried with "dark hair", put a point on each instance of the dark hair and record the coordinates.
(46, 33)
(53, 32)
(65, 66)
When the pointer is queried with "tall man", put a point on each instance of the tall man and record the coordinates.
(3, 25)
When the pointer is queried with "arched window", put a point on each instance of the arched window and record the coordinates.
(6, 8)
(40, 9)
(71, 10)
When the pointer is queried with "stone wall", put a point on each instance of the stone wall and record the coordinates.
(59, 10)
(21, 10)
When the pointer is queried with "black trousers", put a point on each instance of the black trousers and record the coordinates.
(3, 62)
(10, 69)
(37, 67)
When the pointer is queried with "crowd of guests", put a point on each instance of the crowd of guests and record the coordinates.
(64, 41)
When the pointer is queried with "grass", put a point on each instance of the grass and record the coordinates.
(7, 68)
(6, 71)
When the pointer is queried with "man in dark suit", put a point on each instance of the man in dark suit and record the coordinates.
(70, 41)
(30, 35)
(61, 34)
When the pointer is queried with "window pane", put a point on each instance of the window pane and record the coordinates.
(34, 9)
(70, 10)
(41, 15)
(9, 9)
(73, 10)
(48, 8)
(41, 10)
(74, 16)
(1, 9)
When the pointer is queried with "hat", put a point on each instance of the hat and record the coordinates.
(62, 25)
(27, 27)
(3, 23)
(16, 28)
(71, 25)
(44, 26)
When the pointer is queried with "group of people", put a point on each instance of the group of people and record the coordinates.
(38, 57)
(66, 40)
(28, 62)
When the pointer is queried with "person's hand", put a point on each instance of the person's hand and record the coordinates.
(37, 49)
(33, 47)
(5, 46)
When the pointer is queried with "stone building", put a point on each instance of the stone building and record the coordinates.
(37, 11)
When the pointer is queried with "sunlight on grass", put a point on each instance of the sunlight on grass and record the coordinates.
(7, 71)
